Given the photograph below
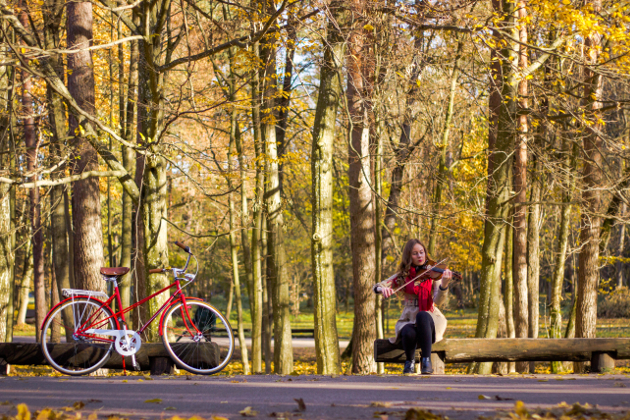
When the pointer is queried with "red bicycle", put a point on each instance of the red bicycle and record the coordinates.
(79, 333)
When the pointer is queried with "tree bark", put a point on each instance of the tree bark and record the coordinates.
(443, 168)
(234, 252)
(361, 206)
(31, 143)
(586, 313)
(6, 254)
(279, 281)
(127, 228)
(256, 304)
(86, 199)
(533, 254)
(498, 193)
(324, 293)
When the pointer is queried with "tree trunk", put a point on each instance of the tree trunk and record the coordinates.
(560, 263)
(498, 193)
(443, 168)
(324, 294)
(622, 237)
(7, 256)
(586, 316)
(25, 286)
(57, 120)
(508, 291)
(267, 319)
(276, 260)
(86, 199)
(6, 253)
(31, 143)
(533, 254)
(234, 253)
(361, 209)
(127, 228)
(256, 304)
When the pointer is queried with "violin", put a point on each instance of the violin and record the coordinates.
(436, 271)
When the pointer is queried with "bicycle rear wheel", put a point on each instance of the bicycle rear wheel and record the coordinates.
(68, 347)
(198, 337)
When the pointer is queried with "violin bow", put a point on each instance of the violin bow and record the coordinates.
(426, 270)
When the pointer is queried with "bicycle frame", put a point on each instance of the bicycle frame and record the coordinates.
(119, 316)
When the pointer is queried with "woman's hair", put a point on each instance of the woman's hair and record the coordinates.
(405, 261)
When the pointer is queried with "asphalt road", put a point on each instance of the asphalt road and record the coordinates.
(343, 397)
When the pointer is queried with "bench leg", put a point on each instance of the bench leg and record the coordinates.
(5, 368)
(437, 362)
(602, 362)
(161, 365)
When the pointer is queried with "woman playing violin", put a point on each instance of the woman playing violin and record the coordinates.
(421, 323)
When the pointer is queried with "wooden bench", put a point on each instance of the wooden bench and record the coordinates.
(601, 352)
(151, 357)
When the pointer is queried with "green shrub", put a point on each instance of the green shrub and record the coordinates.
(615, 304)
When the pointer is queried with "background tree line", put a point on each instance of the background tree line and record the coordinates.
(297, 145)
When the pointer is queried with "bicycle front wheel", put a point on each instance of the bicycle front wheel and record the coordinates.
(198, 337)
(69, 346)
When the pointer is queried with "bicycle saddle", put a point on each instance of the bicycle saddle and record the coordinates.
(114, 271)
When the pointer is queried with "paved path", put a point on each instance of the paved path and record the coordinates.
(343, 397)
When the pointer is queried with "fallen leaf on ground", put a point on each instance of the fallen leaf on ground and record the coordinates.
(78, 405)
(92, 400)
(154, 401)
(496, 397)
(248, 412)
(484, 397)
(418, 414)
(218, 418)
(384, 404)
(300, 403)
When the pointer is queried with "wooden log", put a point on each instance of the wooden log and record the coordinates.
(512, 349)
(161, 365)
(602, 362)
(31, 354)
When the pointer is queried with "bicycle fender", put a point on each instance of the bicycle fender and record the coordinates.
(169, 307)
(77, 297)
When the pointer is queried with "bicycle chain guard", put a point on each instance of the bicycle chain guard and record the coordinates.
(128, 344)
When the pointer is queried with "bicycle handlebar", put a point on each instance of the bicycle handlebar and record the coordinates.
(182, 246)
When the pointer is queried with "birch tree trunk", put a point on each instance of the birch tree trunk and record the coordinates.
(31, 143)
(57, 120)
(6, 253)
(586, 312)
(256, 304)
(7, 258)
(86, 198)
(324, 293)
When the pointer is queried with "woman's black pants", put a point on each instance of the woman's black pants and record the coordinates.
(420, 335)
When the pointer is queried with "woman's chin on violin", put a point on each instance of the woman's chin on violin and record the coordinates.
(424, 284)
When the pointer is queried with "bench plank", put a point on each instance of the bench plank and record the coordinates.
(512, 349)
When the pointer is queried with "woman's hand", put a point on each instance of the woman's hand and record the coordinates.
(387, 292)
(446, 278)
